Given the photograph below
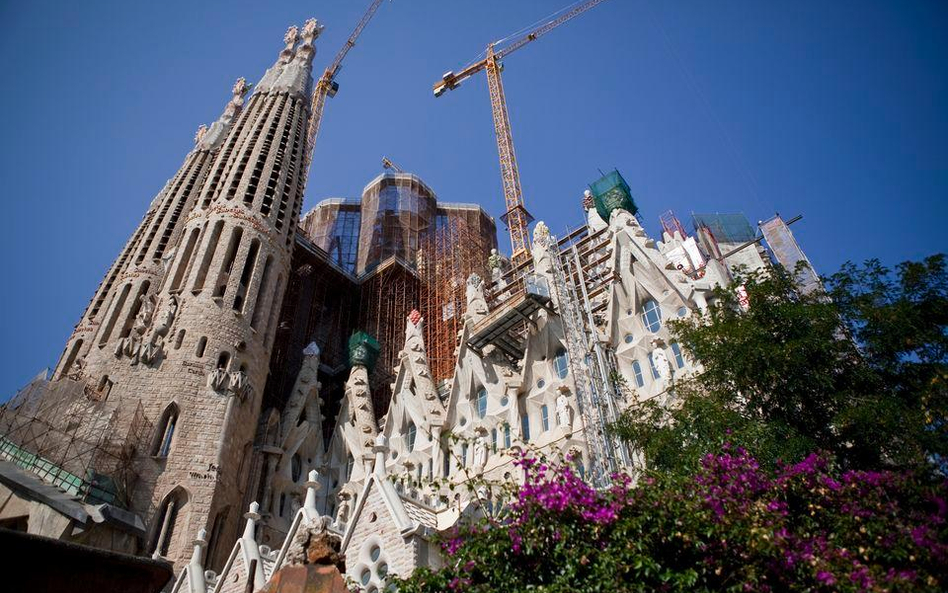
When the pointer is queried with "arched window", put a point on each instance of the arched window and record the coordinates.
(296, 467)
(165, 522)
(165, 435)
(545, 417)
(560, 363)
(202, 344)
(217, 532)
(506, 436)
(652, 316)
(525, 427)
(222, 359)
(651, 364)
(464, 455)
(637, 372)
(679, 359)
(493, 439)
(481, 403)
(412, 433)
(349, 463)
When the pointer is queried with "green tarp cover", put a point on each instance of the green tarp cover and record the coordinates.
(363, 350)
(611, 192)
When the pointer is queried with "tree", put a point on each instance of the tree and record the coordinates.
(859, 371)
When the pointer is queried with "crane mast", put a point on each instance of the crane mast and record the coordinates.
(327, 86)
(516, 217)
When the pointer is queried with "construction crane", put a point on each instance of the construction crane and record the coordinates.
(516, 217)
(387, 164)
(327, 86)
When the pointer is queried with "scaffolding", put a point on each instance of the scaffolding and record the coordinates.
(388, 295)
(580, 283)
(71, 436)
(445, 261)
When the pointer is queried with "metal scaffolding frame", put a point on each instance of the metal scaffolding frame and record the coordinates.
(579, 277)
(70, 435)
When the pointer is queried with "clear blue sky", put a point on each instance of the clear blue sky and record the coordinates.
(836, 110)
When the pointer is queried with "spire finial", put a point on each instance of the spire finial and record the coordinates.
(311, 30)
(290, 39)
(291, 36)
(312, 485)
(199, 544)
(252, 516)
(233, 108)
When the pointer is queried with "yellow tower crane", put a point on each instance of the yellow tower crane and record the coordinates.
(327, 86)
(516, 217)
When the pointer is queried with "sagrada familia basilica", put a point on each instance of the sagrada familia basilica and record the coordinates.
(243, 374)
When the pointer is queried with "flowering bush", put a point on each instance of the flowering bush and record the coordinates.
(729, 527)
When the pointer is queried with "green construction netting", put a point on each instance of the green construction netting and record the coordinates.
(611, 192)
(726, 228)
(363, 350)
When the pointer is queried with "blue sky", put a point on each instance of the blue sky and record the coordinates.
(836, 110)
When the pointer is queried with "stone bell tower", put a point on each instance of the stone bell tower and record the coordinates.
(227, 280)
(125, 300)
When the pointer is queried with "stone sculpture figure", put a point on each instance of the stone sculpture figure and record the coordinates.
(145, 313)
(474, 291)
(660, 360)
(480, 451)
(563, 411)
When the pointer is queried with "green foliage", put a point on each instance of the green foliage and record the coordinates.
(859, 372)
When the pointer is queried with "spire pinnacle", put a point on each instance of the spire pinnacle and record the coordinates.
(290, 39)
(311, 30)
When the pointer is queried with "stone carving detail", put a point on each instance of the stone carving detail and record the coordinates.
(78, 369)
(476, 303)
(542, 246)
(239, 384)
(217, 379)
(564, 414)
(660, 360)
(145, 313)
(342, 513)
(201, 132)
(480, 451)
(136, 346)
(542, 236)
(414, 335)
(166, 318)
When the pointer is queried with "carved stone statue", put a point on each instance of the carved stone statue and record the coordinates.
(660, 360)
(563, 411)
(201, 132)
(166, 318)
(476, 303)
(542, 244)
(480, 451)
(145, 313)
(342, 513)
(78, 368)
